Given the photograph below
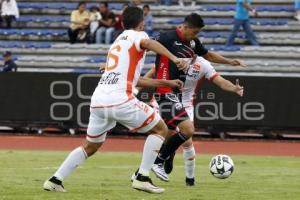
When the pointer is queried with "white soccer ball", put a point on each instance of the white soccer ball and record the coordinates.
(221, 166)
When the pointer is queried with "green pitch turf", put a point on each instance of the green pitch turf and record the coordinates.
(106, 176)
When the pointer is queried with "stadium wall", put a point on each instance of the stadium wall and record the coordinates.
(62, 99)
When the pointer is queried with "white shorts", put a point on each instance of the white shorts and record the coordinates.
(190, 112)
(133, 114)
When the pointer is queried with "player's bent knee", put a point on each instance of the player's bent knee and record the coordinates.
(160, 129)
(91, 148)
(187, 128)
(188, 143)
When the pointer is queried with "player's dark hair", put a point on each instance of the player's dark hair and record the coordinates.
(81, 3)
(132, 17)
(194, 21)
(94, 8)
(105, 3)
(146, 6)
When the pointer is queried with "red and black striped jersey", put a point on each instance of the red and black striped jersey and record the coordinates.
(174, 42)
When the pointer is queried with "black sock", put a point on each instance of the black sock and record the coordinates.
(170, 147)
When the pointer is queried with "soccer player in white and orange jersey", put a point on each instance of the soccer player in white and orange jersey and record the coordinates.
(200, 70)
(113, 101)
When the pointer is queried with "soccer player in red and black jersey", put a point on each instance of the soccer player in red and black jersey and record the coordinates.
(184, 43)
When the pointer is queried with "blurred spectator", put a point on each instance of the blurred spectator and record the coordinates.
(297, 9)
(106, 25)
(9, 11)
(242, 18)
(118, 25)
(148, 19)
(135, 3)
(95, 16)
(80, 20)
(9, 64)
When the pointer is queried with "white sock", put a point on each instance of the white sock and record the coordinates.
(189, 155)
(75, 158)
(151, 148)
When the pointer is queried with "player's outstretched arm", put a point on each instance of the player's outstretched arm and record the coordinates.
(150, 73)
(149, 82)
(228, 86)
(160, 49)
(218, 58)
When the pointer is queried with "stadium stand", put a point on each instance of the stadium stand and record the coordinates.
(39, 37)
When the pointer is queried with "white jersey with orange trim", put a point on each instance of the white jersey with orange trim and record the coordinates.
(125, 61)
(197, 73)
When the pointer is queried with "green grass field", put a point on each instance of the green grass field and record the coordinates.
(106, 176)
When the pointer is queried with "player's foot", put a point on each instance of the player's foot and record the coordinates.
(190, 181)
(159, 171)
(134, 175)
(169, 164)
(144, 183)
(53, 184)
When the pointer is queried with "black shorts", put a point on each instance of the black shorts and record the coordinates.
(171, 110)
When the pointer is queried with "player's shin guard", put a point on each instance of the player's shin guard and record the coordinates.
(152, 145)
(170, 146)
(75, 158)
(189, 155)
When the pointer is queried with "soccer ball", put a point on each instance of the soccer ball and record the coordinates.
(221, 166)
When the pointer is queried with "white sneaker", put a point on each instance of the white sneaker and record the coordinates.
(51, 186)
(159, 171)
(133, 177)
(145, 184)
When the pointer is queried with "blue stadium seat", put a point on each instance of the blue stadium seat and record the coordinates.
(271, 22)
(27, 32)
(115, 6)
(44, 19)
(37, 45)
(275, 8)
(97, 59)
(59, 6)
(63, 6)
(10, 45)
(176, 21)
(13, 57)
(218, 8)
(8, 31)
(221, 21)
(150, 60)
(225, 21)
(268, 8)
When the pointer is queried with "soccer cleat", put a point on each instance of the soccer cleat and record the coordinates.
(169, 164)
(190, 181)
(134, 175)
(53, 184)
(144, 183)
(159, 171)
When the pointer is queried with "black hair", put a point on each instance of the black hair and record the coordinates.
(132, 17)
(94, 8)
(105, 3)
(146, 6)
(194, 21)
(81, 3)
